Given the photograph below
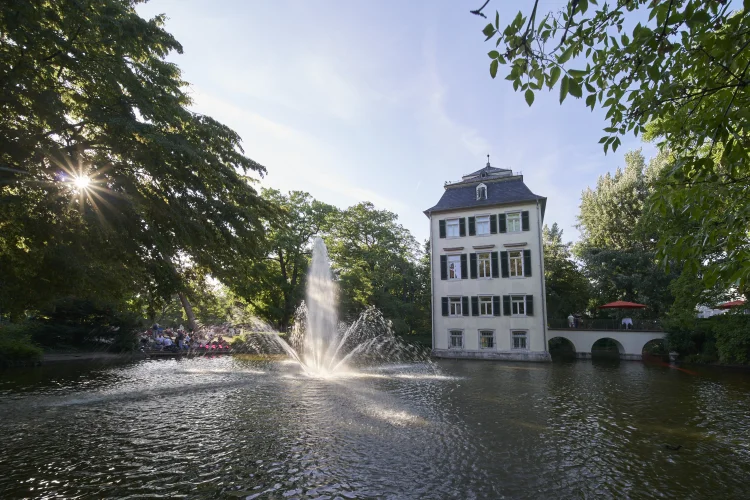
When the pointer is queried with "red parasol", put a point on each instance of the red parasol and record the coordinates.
(621, 304)
(734, 303)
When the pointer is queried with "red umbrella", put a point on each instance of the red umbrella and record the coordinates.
(734, 303)
(621, 304)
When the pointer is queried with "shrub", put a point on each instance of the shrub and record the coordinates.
(16, 344)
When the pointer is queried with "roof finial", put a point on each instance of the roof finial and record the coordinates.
(488, 160)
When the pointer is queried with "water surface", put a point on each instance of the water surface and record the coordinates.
(223, 428)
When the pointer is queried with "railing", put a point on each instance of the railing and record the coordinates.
(649, 325)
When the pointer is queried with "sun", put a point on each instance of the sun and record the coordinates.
(81, 181)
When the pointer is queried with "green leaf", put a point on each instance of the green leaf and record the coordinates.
(493, 54)
(562, 58)
(564, 88)
(554, 75)
(493, 68)
(575, 88)
(591, 101)
(529, 97)
(489, 31)
(576, 73)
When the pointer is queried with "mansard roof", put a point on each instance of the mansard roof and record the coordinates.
(503, 188)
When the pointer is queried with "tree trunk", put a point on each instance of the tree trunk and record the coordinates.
(192, 325)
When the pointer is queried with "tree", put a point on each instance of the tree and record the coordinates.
(567, 288)
(277, 283)
(618, 238)
(682, 78)
(100, 153)
(377, 262)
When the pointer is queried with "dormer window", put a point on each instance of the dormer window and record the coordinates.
(481, 192)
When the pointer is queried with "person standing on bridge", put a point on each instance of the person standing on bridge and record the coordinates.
(571, 321)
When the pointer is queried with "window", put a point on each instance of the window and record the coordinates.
(454, 267)
(484, 265)
(483, 224)
(486, 339)
(457, 339)
(454, 306)
(518, 305)
(514, 222)
(515, 259)
(452, 230)
(481, 192)
(485, 306)
(519, 339)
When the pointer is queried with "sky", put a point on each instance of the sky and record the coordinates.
(382, 101)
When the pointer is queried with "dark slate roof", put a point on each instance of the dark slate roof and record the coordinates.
(498, 193)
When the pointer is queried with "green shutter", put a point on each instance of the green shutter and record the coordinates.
(525, 220)
(472, 227)
(506, 305)
(496, 305)
(475, 306)
(464, 267)
(529, 305)
(462, 226)
(445, 306)
(504, 265)
(473, 265)
(501, 222)
(441, 224)
(465, 305)
(527, 263)
(493, 224)
(495, 265)
(443, 267)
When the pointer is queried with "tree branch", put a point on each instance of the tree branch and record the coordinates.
(478, 12)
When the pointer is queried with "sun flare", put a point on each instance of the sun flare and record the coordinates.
(81, 182)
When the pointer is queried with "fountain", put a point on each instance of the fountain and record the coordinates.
(321, 344)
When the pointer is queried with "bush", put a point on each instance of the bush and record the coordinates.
(724, 338)
(16, 344)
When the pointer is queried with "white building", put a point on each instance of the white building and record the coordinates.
(488, 297)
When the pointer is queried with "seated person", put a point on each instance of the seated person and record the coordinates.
(627, 323)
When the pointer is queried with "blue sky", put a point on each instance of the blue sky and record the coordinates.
(381, 101)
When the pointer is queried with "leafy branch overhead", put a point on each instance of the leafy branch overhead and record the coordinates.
(674, 71)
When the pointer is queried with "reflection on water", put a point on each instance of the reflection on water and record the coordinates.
(230, 428)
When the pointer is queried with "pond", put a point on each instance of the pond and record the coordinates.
(238, 428)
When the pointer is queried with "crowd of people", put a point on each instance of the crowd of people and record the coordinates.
(180, 339)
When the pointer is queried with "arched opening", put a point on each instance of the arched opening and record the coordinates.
(607, 348)
(655, 350)
(561, 349)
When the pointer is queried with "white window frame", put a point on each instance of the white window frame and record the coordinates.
(488, 274)
(455, 260)
(485, 221)
(455, 307)
(491, 335)
(515, 217)
(485, 300)
(512, 268)
(482, 192)
(450, 226)
(514, 299)
(455, 333)
(513, 337)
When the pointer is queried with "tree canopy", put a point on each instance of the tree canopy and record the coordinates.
(105, 173)
(675, 70)
(567, 288)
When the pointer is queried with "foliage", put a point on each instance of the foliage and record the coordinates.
(88, 94)
(277, 284)
(16, 344)
(618, 243)
(724, 338)
(567, 288)
(682, 76)
(378, 262)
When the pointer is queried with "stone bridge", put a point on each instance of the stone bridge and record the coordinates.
(629, 342)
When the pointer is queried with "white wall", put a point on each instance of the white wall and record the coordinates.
(502, 325)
